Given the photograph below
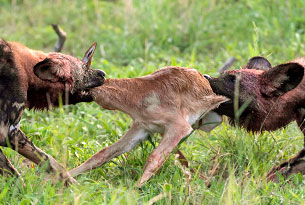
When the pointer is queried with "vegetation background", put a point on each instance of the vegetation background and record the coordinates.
(135, 38)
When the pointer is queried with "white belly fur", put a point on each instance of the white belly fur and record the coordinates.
(209, 121)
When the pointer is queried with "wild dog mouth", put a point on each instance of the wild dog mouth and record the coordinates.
(93, 84)
(98, 80)
(226, 108)
(227, 103)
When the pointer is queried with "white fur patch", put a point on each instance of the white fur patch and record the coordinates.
(192, 119)
(18, 105)
(210, 121)
(152, 101)
(14, 127)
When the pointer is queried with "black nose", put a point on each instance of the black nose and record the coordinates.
(207, 77)
(101, 73)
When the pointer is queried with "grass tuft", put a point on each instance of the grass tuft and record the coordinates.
(135, 38)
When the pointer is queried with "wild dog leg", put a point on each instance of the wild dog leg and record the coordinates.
(292, 166)
(6, 167)
(25, 147)
(134, 136)
(301, 121)
(169, 141)
(295, 164)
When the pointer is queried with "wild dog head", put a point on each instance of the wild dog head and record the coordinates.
(74, 74)
(265, 95)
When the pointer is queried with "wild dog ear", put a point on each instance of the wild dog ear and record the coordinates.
(258, 63)
(281, 79)
(89, 54)
(50, 70)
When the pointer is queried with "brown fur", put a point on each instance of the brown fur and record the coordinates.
(172, 101)
(276, 97)
(20, 87)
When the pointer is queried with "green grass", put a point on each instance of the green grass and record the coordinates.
(136, 38)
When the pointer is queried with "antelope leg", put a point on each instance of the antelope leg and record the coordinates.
(6, 167)
(170, 140)
(133, 136)
(292, 166)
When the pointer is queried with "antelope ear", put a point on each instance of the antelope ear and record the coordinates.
(89, 54)
(47, 70)
(258, 63)
(281, 79)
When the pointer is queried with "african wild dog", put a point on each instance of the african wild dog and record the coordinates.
(20, 88)
(274, 97)
(172, 101)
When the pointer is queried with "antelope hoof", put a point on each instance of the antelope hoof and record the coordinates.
(143, 180)
(69, 181)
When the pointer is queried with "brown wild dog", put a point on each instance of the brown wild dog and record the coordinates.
(63, 75)
(273, 97)
(172, 101)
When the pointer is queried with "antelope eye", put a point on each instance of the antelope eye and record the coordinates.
(207, 76)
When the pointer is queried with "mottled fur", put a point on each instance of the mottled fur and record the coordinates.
(275, 95)
(20, 88)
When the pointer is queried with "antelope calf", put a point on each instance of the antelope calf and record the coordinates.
(59, 75)
(275, 96)
(172, 101)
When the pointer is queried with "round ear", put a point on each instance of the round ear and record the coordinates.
(53, 69)
(281, 79)
(89, 54)
(258, 63)
(46, 70)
